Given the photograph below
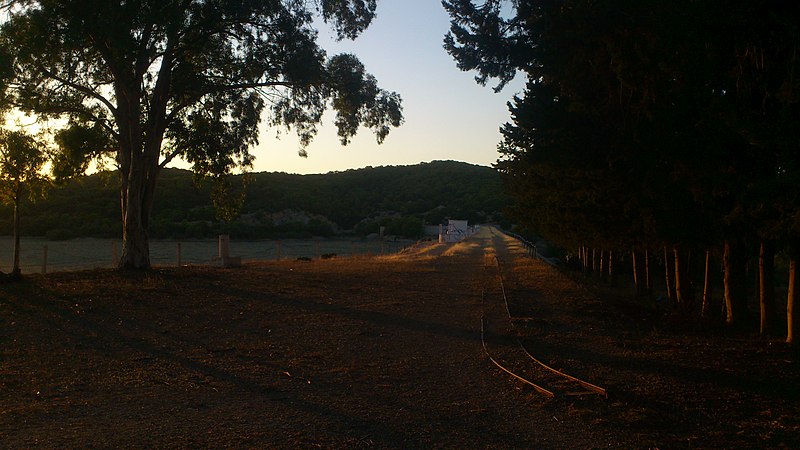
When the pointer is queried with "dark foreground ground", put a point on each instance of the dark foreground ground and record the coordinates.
(371, 352)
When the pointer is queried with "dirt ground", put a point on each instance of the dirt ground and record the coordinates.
(372, 352)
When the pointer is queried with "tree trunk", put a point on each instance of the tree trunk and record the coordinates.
(138, 158)
(706, 308)
(602, 264)
(139, 152)
(588, 260)
(735, 284)
(791, 323)
(667, 280)
(135, 241)
(15, 270)
(611, 267)
(766, 288)
(635, 269)
(136, 198)
(683, 286)
(648, 281)
(680, 297)
(584, 259)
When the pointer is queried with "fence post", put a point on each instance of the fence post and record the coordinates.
(224, 246)
(179, 254)
(44, 260)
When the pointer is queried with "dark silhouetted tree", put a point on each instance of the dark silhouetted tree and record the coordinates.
(630, 133)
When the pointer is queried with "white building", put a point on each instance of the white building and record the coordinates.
(457, 230)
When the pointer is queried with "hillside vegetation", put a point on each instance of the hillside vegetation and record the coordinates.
(402, 198)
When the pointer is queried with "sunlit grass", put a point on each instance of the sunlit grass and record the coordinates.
(420, 251)
(489, 255)
(461, 248)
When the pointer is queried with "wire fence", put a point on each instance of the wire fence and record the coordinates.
(42, 256)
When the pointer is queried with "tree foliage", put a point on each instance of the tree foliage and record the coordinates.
(22, 158)
(148, 81)
(644, 124)
(402, 197)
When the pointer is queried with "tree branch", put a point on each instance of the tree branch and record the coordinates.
(169, 157)
(143, 59)
(82, 89)
(231, 87)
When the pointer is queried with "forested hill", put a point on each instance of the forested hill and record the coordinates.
(279, 204)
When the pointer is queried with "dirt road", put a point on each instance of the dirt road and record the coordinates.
(372, 352)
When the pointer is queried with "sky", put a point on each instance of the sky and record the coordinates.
(448, 116)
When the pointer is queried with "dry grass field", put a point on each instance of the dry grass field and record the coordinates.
(379, 352)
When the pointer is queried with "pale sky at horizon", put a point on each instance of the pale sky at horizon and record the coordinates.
(448, 116)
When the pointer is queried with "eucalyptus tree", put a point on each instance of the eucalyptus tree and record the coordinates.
(22, 158)
(161, 79)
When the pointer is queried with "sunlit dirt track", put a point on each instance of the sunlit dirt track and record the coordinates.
(499, 334)
(372, 352)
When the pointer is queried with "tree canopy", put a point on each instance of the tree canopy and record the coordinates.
(147, 81)
(21, 159)
(644, 123)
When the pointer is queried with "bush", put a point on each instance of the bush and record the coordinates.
(405, 226)
(319, 228)
(410, 227)
(59, 234)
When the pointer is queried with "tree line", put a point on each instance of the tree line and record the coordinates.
(652, 128)
(360, 201)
